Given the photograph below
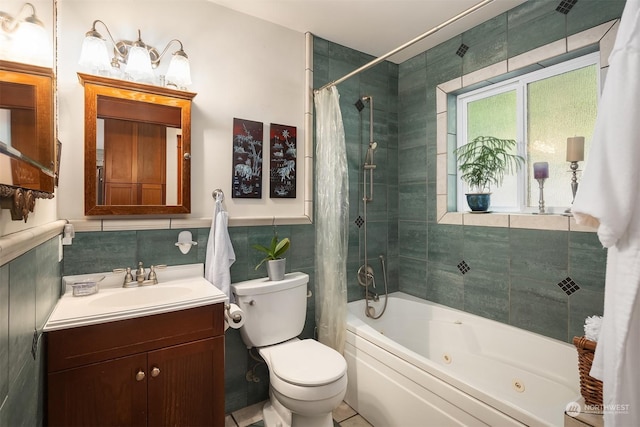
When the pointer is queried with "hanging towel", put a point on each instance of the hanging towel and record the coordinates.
(220, 254)
(608, 198)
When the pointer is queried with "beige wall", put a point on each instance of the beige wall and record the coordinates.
(241, 67)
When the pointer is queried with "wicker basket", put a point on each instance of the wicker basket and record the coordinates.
(590, 388)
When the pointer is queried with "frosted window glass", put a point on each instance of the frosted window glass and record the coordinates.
(559, 107)
(540, 110)
(496, 116)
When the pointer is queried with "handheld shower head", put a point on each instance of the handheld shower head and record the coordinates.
(368, 159)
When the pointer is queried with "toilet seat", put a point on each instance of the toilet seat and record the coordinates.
(320, 364)
(306, 369)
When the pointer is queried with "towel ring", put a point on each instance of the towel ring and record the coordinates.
(218, 194)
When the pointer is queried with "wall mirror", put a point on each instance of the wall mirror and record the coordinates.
(137, 148)
(27, 160)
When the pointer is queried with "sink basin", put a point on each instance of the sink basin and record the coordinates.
(137, 296)
(179, 288)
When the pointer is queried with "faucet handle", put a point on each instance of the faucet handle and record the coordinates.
(128, 277)
(140, 272)
(152, 273)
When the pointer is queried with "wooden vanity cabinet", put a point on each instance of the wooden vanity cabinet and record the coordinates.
(159, 370)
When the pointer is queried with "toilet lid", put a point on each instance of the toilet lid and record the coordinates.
(307, 363)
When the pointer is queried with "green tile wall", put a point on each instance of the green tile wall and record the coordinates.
(332, 61)
(514, 272)
(29, 289)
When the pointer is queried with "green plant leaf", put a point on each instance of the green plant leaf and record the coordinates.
(485, 161)
(275, 250)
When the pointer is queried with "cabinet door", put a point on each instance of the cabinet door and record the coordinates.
(106, 394)
(186, 384)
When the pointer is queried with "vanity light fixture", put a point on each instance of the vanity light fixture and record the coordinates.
(27, 38)
(138, 58)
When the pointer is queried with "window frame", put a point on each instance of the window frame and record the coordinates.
(519, 85)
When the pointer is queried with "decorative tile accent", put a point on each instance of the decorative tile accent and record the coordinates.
(568, 286)
(359, 221)
(565, 6)
(464, 48)
(463, 267)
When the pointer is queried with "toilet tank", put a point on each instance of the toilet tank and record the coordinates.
(274, 311)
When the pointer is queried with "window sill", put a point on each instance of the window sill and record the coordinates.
(515, 220)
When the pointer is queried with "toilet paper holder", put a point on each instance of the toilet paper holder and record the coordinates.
(236, 317)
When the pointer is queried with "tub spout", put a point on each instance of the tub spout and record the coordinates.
(372, 296)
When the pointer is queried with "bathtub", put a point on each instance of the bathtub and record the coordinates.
(424, 364)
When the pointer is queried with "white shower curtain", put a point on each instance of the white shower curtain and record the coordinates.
(332, 214)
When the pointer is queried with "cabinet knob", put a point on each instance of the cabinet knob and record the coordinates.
(140, 375)
(155, 371)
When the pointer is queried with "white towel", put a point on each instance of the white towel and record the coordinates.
(608, 198)
(220, 254)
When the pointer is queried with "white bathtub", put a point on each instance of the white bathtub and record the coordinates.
(424, 364)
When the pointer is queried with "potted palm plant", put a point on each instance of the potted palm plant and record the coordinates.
(484, 162)
(275, 263)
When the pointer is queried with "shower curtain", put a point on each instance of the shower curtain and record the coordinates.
(332, 214)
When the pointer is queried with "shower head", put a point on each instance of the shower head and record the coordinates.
(360, 102)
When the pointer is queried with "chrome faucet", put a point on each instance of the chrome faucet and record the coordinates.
(372, 296)
(141, 279)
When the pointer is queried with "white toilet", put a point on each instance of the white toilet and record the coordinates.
(307, 379)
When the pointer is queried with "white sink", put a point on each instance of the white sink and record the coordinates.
(154, 294)
(179, 288)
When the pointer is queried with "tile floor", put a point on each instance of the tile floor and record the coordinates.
(251, 416)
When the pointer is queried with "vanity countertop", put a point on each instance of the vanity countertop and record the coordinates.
(179, 287)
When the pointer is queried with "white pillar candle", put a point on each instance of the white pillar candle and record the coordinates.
(575, 149)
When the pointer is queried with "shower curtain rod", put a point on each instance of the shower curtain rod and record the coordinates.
(407, 44)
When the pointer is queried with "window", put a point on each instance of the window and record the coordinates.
(540, 110)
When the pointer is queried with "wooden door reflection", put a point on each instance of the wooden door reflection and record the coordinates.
(135, 159)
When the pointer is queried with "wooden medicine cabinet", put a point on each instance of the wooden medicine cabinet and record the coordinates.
(27, 147)
(137, 148)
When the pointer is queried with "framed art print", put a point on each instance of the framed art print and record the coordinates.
(282, 162)
(247, 159)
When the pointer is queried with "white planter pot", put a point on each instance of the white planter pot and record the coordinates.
(276, 268)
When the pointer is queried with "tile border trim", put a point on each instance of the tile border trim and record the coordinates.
(16, 244)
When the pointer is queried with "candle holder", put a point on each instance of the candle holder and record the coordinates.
(574, 185)
(541, 210)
